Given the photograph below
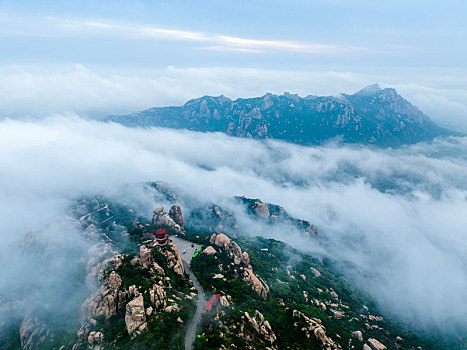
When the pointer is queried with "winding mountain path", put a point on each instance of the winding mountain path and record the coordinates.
(191, 332)
(184, 245)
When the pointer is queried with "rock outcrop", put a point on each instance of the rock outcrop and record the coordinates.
(315, 272)
(95, 340)
(31, 332)
(314, 328)
(161, 218)
(259, 286)
(135, 315)
(240, 258)
(221, 240)
(275, 214)
(357, 335)
(209, 251)
(175, 214)
(262, 327)
(107, 299)
(261, 209)
(174, 259)
(224, 301)
(145, 256)
(376, 345)
(245, 260)
(157, 296)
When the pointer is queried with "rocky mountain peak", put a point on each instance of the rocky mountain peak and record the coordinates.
(369, 90)
(390, 94)
(208, 99)
(370, 116)
(294, 97)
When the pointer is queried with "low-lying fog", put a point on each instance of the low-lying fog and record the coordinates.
(399, 217)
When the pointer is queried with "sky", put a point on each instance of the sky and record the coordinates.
(111, 57)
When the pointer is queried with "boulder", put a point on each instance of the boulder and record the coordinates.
(174, 259)
(114, 281)
(261, 326)
(357, 335)
(245, 259)
(315, 329)
(235, 249)
(91, 338)
(135, 315)
(159, 209)
(261, 209)
(161, 218)
(145, 255)
(220, 240)
(149, 311)
(209, 251)
(375, 344)
(253, 280)
(135, 261)
(95, 338)
(104, 301)
(224, 301)
(334, 294)
(175, 214)
(172, 308)
(315, 272)
(157, 296)
(338, 314)
(30, 332)
(156, 269)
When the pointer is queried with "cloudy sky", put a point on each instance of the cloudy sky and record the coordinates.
(95, 58)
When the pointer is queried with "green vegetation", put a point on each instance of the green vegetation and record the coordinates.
(164, 329)
(289, 273)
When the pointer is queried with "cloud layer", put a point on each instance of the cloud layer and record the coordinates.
(395, 218)
(98, 93)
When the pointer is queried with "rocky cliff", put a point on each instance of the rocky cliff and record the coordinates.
(371, 116)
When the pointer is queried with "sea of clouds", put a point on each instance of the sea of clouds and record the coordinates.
(394, 219)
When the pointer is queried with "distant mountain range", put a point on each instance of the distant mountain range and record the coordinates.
(371, 116)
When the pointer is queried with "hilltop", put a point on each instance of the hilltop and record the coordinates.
(371, 116)
(203, 289)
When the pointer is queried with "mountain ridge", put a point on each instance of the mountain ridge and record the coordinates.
(370, 116)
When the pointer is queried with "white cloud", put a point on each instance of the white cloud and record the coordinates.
(212, 39)
(278, 45)
(397, 215)
(448, 106)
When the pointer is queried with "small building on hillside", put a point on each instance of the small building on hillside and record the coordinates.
(216, 298)
(161, 237)
(209, 306)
